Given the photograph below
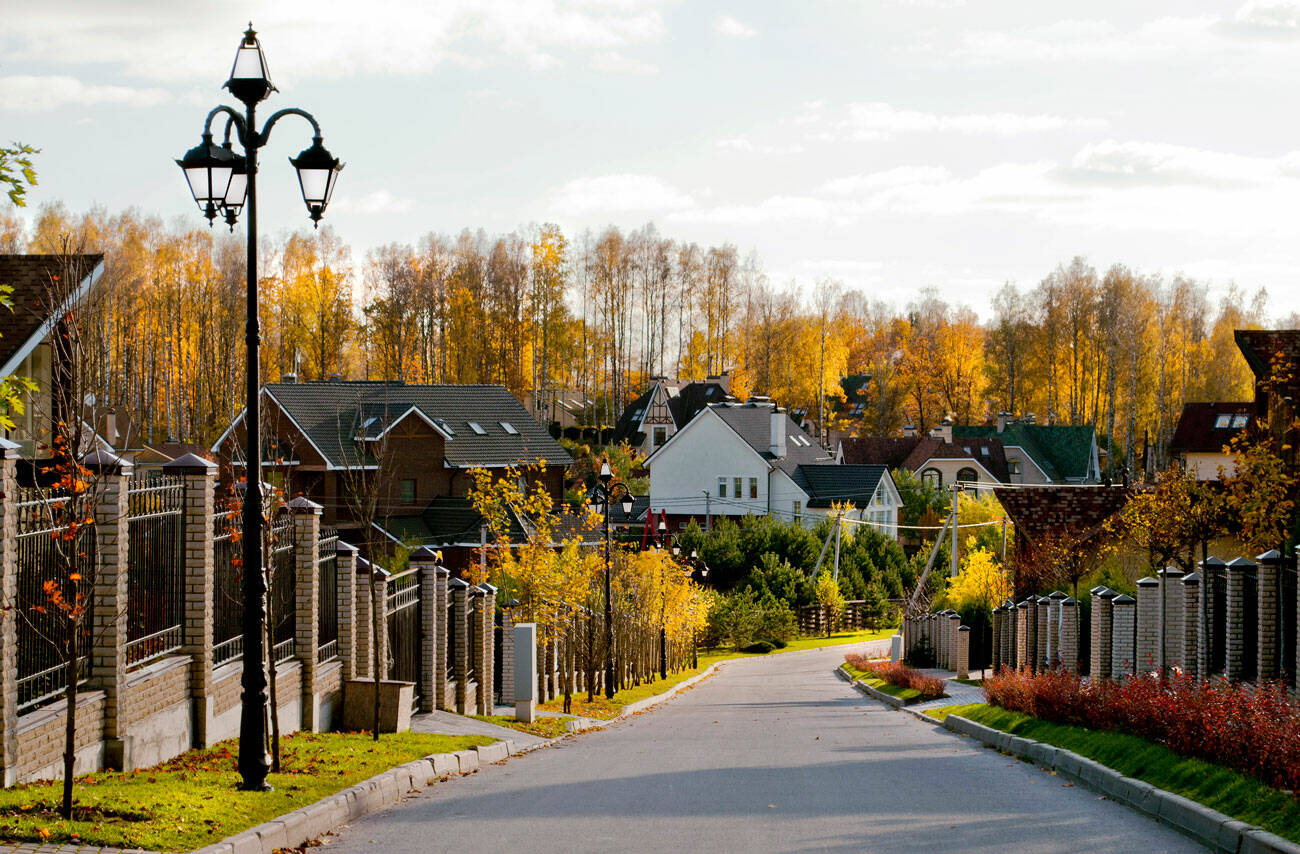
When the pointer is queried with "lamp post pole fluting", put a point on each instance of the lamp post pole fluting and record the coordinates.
(209, 170)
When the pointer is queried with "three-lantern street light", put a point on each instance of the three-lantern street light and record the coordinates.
(663, 604)
(224, 183)
(605, 493)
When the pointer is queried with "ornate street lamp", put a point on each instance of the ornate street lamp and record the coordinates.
(603, 496)
(224, 183)
(663, 603)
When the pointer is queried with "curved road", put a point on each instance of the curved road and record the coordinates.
(769, 754)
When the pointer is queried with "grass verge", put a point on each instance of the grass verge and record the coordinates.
(1242, 797)
(546, 726)
(191, 801)
(601, 708)
(907, 695)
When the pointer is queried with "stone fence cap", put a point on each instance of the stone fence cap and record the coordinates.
(488, 588)
(1069, 600)
(1192, 578)
(345, 548)
(191, 462)
(458, 582)
(1124, 599)
(1241, 563)
(1212, 561)
(1169, 570)
(963, 628)
(1057, 595)
(1108, 593)
(1270, 555)
(304, 504)
(1024, 604)
(1147, 582)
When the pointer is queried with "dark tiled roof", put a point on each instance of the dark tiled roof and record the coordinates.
(32, 280)
(1061, 510)
(753, 421)
(1196, 430)
(1064, 452)
(331, 413)
(626, 429)
(693, 397)
(994, 459)
(913, 452)
(685, 400)
(454, 521)
(1262, 347)
(856, 397)
(828, 483)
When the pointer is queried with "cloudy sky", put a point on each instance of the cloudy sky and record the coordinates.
(890, 143)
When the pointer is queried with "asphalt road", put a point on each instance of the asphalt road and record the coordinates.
(769, 754)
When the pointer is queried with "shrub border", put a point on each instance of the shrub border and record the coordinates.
(1210, 827)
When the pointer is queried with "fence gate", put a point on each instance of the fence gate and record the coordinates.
(327, 624)
(228, 589)
(404, 628)
(1250, 626)
(1286, 647)
(1217, 654)
(155, 615)
(282, 590)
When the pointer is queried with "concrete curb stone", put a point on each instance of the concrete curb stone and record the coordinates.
(1205, 825)
(468, 760)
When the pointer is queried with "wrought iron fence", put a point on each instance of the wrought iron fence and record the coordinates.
(473, 614)
(281, 599)
(450, 632)
(47, 546)
(228, 590)
(327, 624)
(1250, 626)
(404, 627)
(155, 567)
(1286, 647)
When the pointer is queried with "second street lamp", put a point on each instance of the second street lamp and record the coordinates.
(605, 496)
(224, 183)
(663, 603)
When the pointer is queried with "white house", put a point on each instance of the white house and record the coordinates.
(667, 406)
(736, 459)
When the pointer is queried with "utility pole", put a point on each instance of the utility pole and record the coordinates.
(956, 491)
(838, 517)
(708, 516)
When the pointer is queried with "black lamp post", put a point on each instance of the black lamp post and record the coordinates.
(704, 575)
(224, 183)
(663, 605)
(605, 496)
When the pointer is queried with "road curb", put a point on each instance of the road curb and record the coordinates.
(295, 828)
(1209, 827)
(639, 705)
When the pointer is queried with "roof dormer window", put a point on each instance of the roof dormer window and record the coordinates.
(1240, 420)
(509, 428)
(477, 428)
(1223, 421)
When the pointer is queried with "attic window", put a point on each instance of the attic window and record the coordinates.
(1240, 420)
(474, 425)
(984, 450)
(509, 428)
(637, 414)
(444, 426)
(1223, 421)
(708, 392)
(966, 448)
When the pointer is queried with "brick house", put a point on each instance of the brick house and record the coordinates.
(1200, 441)
(411, 446)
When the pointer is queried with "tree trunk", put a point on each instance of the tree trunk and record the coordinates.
(70, 727)
(375, 629)
(272, 694)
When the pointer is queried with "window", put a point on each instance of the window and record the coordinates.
(1240, 420)
(1013, 466)
(753, 487)
(474, 425)
(735, 481)
(967, 475)
(722, 487)
(798, 511)
(932, 478)
(1223, 421)
(408, 491)
(509, 428)
(661, 436)
(984, 450)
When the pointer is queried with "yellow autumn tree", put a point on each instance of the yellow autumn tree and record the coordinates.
(981, 582)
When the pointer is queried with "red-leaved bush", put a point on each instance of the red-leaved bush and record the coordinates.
(898, 674)
(1252, 728)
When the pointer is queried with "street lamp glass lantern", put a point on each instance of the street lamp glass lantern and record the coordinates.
(318, 171)
(208, 169)
(236, 192)
(627, 505)
(250, 79)
(606, 473)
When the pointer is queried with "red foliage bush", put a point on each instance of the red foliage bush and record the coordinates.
(1252, 728)
(898, 674)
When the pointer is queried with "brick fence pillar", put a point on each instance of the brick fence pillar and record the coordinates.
(1213, 583)
(1147, 655)
(954, 623)
(459, 591)
(508, 654)
(425, 561)
(1040, 649)
(372, 625)
(108, 653)
(1107, 633)
(8, 619)
(200, 583)
(1070, 635)
(306, 618)
(1268, 599)
(963, 652)
(1191, 598)
(1031, 634)
(1237, 640)
(1122, 637)
(1022, 635)
(1006, 638)
(1171, 626)
(487, 650)
(345, 568)
(1094, 633)
(441, 685)
(997, 638)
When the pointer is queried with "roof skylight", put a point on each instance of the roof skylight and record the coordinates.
(509, 428)
(477, 428)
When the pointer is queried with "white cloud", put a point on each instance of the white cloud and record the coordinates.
(900, 176)
(775, 209)
(613, 62)
(377, 202)
(1153, 163)
(747, 146)
(730, 27)
(23, 92)
(615, 194)
(877, 120)
(1269, 17)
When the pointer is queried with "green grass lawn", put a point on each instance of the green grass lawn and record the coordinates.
(907, 695)
(191, 801)
(1235, 794)
(547, 726)
(605, 709)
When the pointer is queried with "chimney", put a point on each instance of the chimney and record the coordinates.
(1003, 418)
(943, 431)
(909, 431)
(289, 378)
(336, 378)
(776, 442)
(723, 379)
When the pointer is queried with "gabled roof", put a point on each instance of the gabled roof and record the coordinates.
(753, 422)
(1262, 346)
(693, 397)
(32, 278)
(330, 414)
(454, 521)
(913, 452)
(826, 483)
(1199, 429)
(1063, 452)
(1061, 510)
(685, 400)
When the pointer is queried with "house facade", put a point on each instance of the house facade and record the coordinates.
(1200, 441)
(1037, 453)
(936, 462)
(737, 459)
(410, 448)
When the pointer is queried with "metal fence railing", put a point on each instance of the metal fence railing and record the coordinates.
(449, 631)
(327, 624)
(473, 614)
(404, 626)
(155, 567)
(282, 589)
(46, 545)
(228, 592)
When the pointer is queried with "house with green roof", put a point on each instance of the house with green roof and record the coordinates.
(1037, 453)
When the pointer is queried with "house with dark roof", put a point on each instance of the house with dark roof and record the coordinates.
(412, 446)
(664, 408)
(1200, 441)
(936, 462)
(45, 288)
(736, 459)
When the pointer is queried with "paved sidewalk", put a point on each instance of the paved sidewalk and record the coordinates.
(959, 693)
(449, 723)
